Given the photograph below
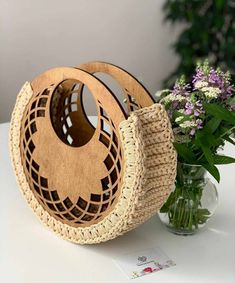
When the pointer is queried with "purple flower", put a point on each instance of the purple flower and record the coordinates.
(198, 104)
(198, 108)
(215, 79)
(175, 104)
(199, 76)
(225, 96)
(232, 107)
(188, 108)
(230, 89)
(177, 89)
(192, 132)
(185, 99)
(181, 88)
(199, 124)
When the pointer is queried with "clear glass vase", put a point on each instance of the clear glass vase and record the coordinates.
(192, 202)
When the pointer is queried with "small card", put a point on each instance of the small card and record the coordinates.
(144, 262)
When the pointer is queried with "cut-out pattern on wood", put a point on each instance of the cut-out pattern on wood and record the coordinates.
(63, 100)
(131, 102)
(65, 111)
(91, 183)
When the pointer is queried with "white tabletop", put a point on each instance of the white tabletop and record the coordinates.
(30, 253)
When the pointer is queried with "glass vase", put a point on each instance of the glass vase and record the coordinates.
(192, 202)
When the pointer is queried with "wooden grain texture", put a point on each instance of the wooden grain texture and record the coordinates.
(90, 184)
(75, 169)
(77, 179)
(135, 94)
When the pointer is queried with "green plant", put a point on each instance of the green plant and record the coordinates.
(208, 32)
(184, 206)
(202, 116)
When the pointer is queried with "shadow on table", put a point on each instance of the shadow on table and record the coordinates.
(147, 235)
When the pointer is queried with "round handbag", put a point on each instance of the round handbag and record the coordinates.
(91, 183)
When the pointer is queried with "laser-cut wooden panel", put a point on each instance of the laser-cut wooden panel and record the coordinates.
(134, 93)
(91, 183)
(73, 169)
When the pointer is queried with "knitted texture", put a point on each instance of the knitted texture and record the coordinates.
(148, 174)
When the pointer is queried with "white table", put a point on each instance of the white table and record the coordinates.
(30, 253)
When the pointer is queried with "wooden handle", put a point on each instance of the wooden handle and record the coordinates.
(135, 95)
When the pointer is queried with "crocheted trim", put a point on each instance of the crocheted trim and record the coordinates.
(149, 173)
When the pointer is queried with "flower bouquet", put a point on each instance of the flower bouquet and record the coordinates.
(202, 114)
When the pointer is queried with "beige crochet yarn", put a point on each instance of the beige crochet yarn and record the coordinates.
(147, 174)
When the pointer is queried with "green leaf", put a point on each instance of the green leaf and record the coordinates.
(185, 153)
(167, 204)
(177, 114)
(206, 138)
(223, 159)
(220, 4)
(205, 141)
(220, 112)
(224, 131)
(208, 154)
(213, 170)
(231, 100)
(227, 138)
(212, 125)
(203, 215)
(203, 211)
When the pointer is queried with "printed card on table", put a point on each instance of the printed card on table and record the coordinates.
(144, 262)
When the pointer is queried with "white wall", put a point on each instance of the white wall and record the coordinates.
(36, 35)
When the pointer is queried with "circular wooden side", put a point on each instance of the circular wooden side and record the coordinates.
(73, 169)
